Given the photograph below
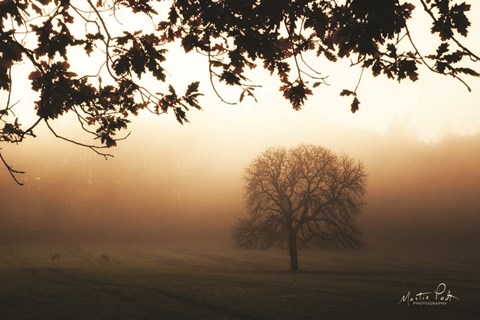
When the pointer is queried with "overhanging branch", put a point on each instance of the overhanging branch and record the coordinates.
(11, 171)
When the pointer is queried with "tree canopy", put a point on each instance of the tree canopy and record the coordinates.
(281, 36)
(300, 197)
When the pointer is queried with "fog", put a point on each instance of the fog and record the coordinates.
(172, 182)
(182, 183)
(424, 196)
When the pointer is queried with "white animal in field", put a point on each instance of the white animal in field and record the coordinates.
(55, 256)
(104, 258)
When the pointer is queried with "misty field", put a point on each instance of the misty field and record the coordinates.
(157, 281)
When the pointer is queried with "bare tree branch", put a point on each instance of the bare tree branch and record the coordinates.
(91, 147)
(12, 171)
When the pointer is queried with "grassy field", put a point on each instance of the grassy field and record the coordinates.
(154, 281)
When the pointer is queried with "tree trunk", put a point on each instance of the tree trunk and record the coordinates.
(292, 246)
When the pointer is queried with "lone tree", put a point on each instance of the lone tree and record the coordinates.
(291, 39)
(301, 197)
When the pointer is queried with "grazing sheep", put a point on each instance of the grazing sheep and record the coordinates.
(55, 256)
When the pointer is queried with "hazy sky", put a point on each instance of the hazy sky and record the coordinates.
(167, 175)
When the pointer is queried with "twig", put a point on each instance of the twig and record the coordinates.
(12, 171)
(359, 80)
(210, 71)
(91, 147)
(107, 42)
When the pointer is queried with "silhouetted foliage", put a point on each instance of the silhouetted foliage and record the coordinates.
(301, 197)
(282, 36)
